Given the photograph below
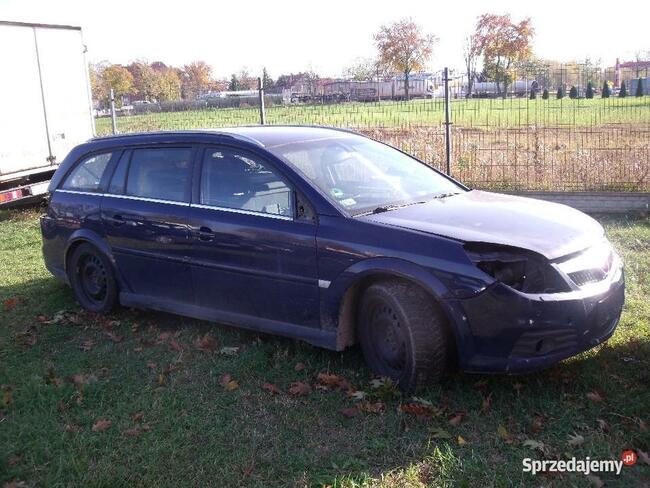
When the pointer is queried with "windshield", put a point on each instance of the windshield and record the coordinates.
(362, 175)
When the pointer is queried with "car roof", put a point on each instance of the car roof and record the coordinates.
(261, 135)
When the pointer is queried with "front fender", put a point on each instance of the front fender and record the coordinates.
(333, 297)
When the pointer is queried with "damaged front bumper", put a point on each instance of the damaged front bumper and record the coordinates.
(508, 331)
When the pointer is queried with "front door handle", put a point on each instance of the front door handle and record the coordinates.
(205, 234)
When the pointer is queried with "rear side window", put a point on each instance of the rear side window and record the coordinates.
(232, 179)
(87, 175)
(163, 174)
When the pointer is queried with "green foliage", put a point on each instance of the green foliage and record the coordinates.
(590, 91)
(573, 92)
(639, 88)
(234, 83)
(623, 91)
(545, 94)
(560, 93)
(267, 81)
(606, 90)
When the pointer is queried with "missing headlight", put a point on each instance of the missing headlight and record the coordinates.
(522, 270)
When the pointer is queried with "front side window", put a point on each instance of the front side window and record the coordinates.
(232, 179)
(163, 174)
(360, 174)
(87, 175)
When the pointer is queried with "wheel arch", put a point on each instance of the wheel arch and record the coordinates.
(341, 303)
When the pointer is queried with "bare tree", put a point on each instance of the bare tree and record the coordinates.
(471, 52)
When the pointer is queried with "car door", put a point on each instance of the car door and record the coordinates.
(145, 212)
(250, 255)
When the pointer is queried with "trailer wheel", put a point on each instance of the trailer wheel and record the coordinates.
(92, 279)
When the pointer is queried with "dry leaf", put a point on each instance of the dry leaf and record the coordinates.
(10, 303)
(456, 418)
(595, 396)
(537, 425)
(228, 383)
(300, 389)
(271, 388)
(370, 407)
(417, 409)
(229, 351)
(71, 428)
(114, 337)
(132, 432)
(349, 412)
(206, 343)
(327, 379)
(604, 426)
(138, 417)
(533, 444)
(101, 425)
(504, 434)
(461, 441)
(575, 440)
(437, 433)
(299, 367)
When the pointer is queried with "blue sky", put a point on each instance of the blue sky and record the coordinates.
(326, 35)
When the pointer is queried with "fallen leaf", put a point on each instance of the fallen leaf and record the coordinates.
(299, 367)
(575, 440)
(10, 303)
(82, 379)
(7, 395)
(271, 388)
(456, 418)
(604, 426)
(206, 343)
(300, 389)
(138, 417)
(229, 351)
(461, 441)
(132, 432)
(330, 380)
(71, 428)
(228, 383)
(537, 425)
(504, 434)
(438, 433)
(370, 407)
(595, 396)
(349, 412)
(42, 318)
(102, 425)
(417, 409)
(533, 444)
(357, 395)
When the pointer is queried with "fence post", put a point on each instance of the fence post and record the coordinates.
(447, 122)
(113, 118)
(260, 88)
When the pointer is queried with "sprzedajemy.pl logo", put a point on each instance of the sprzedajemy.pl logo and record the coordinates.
(585, 466)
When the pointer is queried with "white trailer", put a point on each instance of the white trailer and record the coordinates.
(45, 104)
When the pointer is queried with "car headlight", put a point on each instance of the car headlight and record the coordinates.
(522, 270)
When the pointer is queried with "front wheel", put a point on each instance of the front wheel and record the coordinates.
(403, 334)
(92, 280)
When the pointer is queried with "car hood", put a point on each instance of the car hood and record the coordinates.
(550, 229)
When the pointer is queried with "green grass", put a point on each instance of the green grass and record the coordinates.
(487, 113)
(201, 434)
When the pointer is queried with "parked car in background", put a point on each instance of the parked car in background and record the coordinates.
(330, 237)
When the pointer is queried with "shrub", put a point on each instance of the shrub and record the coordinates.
(545, 94)
(560, 93)
(606, 91)
(639, 88)
(533, 94)
(623, 92)
(573, 92)
(590, 91)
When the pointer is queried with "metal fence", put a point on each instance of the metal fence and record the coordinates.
(519, 137)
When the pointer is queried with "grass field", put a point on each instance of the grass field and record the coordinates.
(140, 399)
(484, 113)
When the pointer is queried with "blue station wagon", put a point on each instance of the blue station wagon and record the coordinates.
(333, 238)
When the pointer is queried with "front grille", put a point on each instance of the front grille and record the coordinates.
(545, 341)
(587, 276)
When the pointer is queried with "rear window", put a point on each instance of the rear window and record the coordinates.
(163, 174)
(87, 175)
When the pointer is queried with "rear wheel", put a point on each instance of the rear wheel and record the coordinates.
(92, 280)
(403, 334)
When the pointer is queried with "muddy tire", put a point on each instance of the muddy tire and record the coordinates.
(404, 334)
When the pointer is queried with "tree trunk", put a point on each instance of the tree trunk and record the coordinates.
(406, 85)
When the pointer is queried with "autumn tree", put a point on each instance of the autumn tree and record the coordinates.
(503, 44)
(97, 86)
(404, 48)
(119, 79)
(196, 79)
(471, 52)
(144, 79)
(167, 85)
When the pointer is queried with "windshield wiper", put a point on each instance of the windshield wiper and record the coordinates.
(388, 208)
(445, 195)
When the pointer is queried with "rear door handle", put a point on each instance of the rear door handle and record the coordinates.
(205, 234)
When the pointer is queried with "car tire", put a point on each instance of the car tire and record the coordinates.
(403, 334)
(92, 279)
